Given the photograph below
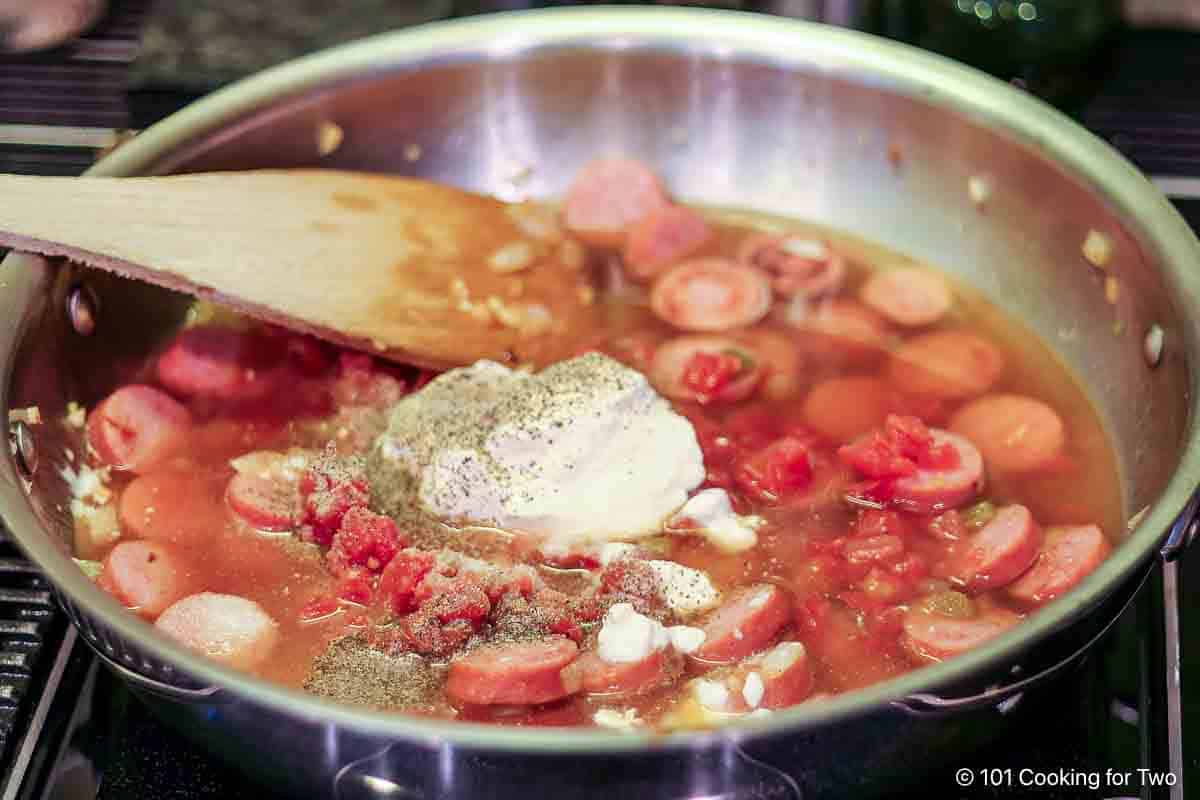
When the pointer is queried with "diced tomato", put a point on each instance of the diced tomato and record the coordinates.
(399, 581)
(948, 525)
(902, 447)
(882, 548)
(777, 471)
(463, 599)
(877, 522)
(356, 589)
(319, 608)
(329, 490)
(365, 539)
(707, 374)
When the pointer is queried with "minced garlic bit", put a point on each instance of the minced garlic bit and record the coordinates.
(979, 189)
(30, 416)
(572, 254)
(329, 137)
(458, 289)
(76, 416)
(412, 153)
(587, 295)
(478, 311)
(1097, 249)
(536, 321)
(508, 316)
(536, 220)
(512, 257)
(1112, 290)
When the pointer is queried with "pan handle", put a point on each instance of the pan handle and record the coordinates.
(932, 705)
(1184, 531)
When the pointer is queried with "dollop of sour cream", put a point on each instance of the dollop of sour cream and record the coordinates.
(584, 450)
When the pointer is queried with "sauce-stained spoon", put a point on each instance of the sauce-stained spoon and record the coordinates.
(410, 270)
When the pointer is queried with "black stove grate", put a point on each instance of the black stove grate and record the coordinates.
(31, 632)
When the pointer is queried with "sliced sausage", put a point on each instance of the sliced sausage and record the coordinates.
(908, 296)
(950, 363)
(602, 677)
(931, 490)
(663, 237)
(137, 427)
(226, 628)
(842, 409)
(935, 637)
(1014, 433)
(797, 265)
(780, 359)
(842, 328)
(610, 196)
(524, 673)
(216, 362)
(1069, 554)
(744, 624)
(1001, 551)
(168, 506)
(264, 503)
(146, 576)
(729, 373)
(786, 674)
(711, 294)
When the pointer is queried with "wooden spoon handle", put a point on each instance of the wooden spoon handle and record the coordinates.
(405, 268)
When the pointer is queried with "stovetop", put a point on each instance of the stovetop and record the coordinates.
(69, 730)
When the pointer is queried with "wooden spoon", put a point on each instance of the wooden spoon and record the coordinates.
(410, 270)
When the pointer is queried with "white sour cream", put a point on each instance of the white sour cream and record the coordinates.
(584, 450)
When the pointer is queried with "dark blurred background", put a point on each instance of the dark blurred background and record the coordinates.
(77, 73)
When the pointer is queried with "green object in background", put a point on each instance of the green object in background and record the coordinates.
(1055, 48)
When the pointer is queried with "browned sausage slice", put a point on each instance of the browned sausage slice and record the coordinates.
(797, 265)
(711, 294)
(931, 490)
(951, 363)
(264, 503)
(1001, 551)
(930, 636)
(844, 408)
(665, 236)
(1069, 554)
(608, 197)
(744, 624)
(146, 576)
(524, 673)
(908, 296)
(786, 674)
(137, 427)
(1014, 433)
(606, 678)
(224, 627)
